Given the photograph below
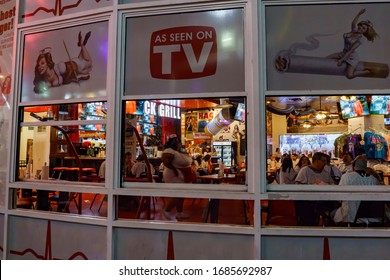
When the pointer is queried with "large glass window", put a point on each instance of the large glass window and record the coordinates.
(209, 135)
(60, 145)
(58, 136)
(327, 144)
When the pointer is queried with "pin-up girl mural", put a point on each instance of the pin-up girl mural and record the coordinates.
(6, 86)
(352, 41)
(50, 74)
(345, 63)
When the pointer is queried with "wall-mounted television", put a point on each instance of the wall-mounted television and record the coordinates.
(240, 112)
(380, 105)
(353, 106)
(149, 129)
(146, 128)
(146, 118)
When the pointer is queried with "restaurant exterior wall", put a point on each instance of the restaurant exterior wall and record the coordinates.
(286, 33)
(40, 235)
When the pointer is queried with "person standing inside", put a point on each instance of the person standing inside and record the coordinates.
(177, 169)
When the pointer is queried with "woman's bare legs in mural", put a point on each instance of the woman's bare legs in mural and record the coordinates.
(84, 54)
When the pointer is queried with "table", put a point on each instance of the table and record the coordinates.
(65, 197)
(216, 179)
(134, 179)
(212, 208)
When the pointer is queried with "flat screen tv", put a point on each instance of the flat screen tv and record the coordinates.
(380, 105)
(146, 118)
(354, 106)
(148, 129)
(240, 112)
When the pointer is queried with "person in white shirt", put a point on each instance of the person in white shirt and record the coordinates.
(295, 158)
(303, 161)
(359, 176)
(139, 169)
(177, 169)
(334, 171)
(316, 173)
(307, 211)
(287, 173)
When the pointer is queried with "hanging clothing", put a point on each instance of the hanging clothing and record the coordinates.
(375, 146)
(348, 143)
(339, 145)
(353, 144)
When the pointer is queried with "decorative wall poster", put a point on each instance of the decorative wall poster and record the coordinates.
(185, 53)
(7, 19)
(66, 63)
(328, 47)
(191, 123)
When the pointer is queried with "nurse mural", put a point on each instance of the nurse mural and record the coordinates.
(50, 74)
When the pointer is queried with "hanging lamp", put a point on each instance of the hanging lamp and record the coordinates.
(320, 114)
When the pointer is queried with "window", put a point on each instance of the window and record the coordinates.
(210, 132)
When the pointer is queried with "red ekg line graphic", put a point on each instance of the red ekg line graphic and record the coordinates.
(58, 9)
(48, 252)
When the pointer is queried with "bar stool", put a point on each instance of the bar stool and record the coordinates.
(58, 171)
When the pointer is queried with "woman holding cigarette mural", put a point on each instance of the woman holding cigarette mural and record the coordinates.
(49, 74)
(352, 41)
(345, 63)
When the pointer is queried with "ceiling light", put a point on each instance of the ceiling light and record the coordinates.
(306, 124)
(320, 114)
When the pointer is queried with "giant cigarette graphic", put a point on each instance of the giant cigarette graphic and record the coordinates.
(326, 66)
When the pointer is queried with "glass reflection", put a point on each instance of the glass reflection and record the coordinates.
(62, 202)
(196, 210)
(325, 213)
(210, 132)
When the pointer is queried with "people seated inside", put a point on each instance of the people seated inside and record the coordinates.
(316, 172)
(346, 213)
(139, 169)
(206, 166)
(346, 165)
(334, 171)
(303, 161)
(128, 164)
(287, 173)
(309, 212)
